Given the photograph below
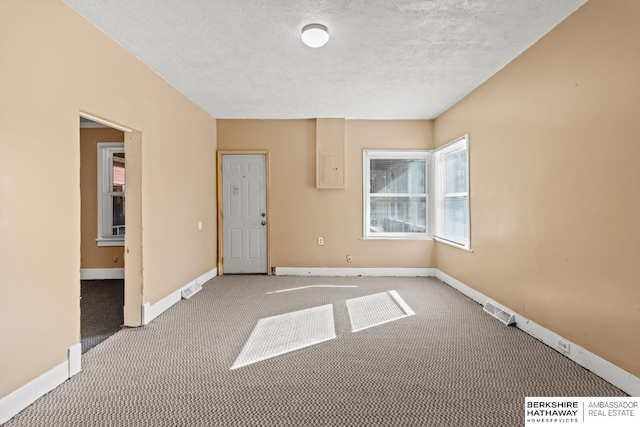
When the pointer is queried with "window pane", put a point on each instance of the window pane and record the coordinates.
(118, 172)
(398, 215)
(397, 176)
(455, 218)
(117, 228)
(456, 172)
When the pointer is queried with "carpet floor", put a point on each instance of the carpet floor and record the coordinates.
(449, 365)
(101, 310)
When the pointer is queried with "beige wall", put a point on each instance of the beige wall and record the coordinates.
(92, 255)
(555, 182)
(55, 64)
(300, 212)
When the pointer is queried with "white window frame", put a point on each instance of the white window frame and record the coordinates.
(459, 144)
(106, 151)
(367, 156)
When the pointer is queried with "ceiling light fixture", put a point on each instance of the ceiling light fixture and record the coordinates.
(315, 35)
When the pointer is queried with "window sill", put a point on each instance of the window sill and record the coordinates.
(110, 242)
(455, 245)
(397, 238)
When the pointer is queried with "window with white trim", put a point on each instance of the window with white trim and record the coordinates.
(111, 192)
(451, 192)
(396, 194)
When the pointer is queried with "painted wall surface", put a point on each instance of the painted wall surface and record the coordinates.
(54, 64)
(92, 255)
(299, 212)
(555, 182)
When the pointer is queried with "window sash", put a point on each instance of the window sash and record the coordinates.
(443, 216)
(106, 195)
(368, 156)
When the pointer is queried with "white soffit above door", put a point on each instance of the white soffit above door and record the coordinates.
(407, 59)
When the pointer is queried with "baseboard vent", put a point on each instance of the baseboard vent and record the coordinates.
(500, 313)
(191, 290)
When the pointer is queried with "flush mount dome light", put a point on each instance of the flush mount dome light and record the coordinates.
(315, 35)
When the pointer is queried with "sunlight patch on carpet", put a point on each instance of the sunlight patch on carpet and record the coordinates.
(372, 310)
(277, 335)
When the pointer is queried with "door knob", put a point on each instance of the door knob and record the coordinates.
(264, 222)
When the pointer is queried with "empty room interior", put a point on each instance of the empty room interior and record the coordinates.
(422, 219)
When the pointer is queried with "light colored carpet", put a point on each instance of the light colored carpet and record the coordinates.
(449, 365)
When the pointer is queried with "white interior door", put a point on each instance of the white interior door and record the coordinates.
(244, 213)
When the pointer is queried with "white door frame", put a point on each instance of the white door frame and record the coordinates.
(219, 197)
(133, 280)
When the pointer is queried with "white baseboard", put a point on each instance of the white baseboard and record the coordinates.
(101, 273)
(343, 272)
(151, 311)
(74, 357)
(15, 402)
(205, 277)
(606, 370)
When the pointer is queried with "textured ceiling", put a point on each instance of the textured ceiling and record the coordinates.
(385, 60)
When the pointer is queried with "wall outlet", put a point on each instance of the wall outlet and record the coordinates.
(349, 258)
(564, 346)
(320, 241)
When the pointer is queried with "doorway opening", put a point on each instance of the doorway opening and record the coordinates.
(110, 211)
(102, 204)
